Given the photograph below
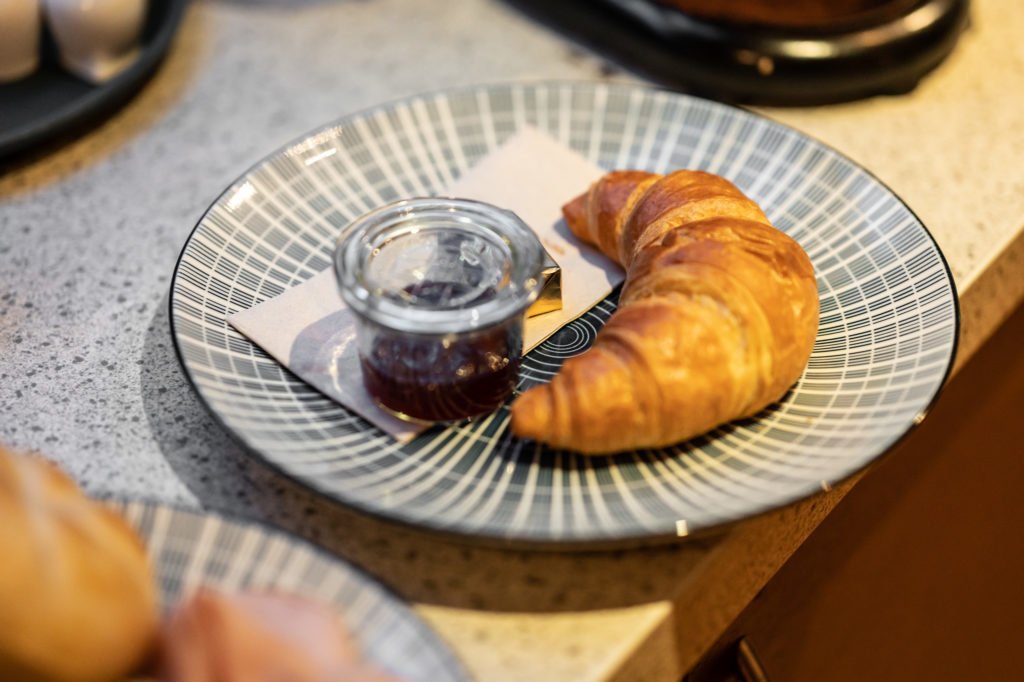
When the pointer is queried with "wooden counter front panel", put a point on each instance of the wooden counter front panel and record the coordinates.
(918, 574)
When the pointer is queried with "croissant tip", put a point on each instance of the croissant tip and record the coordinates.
(528, 417)
(575, 214)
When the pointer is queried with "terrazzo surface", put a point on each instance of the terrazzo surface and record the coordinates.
(89, 235)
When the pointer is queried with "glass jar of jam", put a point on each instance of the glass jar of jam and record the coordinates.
(439, 288)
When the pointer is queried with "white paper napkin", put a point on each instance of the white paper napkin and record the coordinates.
(310, 331)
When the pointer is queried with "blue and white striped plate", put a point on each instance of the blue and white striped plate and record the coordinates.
(889, 320)
(191, 549)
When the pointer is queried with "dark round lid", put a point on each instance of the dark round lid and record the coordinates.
(799, 52)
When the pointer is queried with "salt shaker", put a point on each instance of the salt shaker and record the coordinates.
(96, 39)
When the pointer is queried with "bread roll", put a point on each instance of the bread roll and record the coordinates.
(77, 596)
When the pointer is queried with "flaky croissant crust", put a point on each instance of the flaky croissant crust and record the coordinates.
(716, 320)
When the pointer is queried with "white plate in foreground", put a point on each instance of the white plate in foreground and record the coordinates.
(191, 549)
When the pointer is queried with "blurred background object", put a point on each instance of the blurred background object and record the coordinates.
(793, 13)
(50, 103)
(96, 40)
(19, 38)
(804, 52)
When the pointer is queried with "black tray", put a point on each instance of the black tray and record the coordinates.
(51, 102)
(761, 64)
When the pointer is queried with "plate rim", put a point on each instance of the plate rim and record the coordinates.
(271, 529)
(638, 538)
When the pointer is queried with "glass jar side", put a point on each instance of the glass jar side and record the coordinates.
(440, 377)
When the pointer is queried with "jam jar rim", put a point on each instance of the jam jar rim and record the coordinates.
(525, 282)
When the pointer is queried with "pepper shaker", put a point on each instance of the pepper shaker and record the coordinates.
(19, 38)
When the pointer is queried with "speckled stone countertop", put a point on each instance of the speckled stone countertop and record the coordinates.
(89, 235)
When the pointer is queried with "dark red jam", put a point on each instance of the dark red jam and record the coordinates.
(442, 377)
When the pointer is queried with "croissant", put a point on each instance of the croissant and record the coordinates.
(716, 319)
(78, 599)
